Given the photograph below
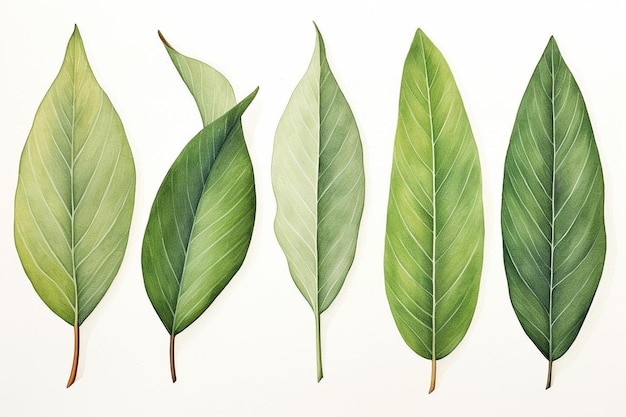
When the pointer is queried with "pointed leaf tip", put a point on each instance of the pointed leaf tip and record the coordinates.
(165, 42)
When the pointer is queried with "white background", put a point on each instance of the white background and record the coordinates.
(252, 352)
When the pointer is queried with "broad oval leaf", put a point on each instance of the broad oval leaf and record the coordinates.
(319, 184)
(201, 222)
(552, 209)
(435, 232)
(75, 193)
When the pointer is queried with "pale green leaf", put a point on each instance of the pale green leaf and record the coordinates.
(553, 209)
(75, 192)
(201, 221)
(212, 92)
(434, 238)
(319, 184)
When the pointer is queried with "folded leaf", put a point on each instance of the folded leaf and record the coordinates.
(75, 194)
(552, 209)
(201, 220)
(319, 184)
(434, 240)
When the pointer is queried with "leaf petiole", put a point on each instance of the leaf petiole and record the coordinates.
(72, 378)
(549, 382)
(172, 362)
(433, 375)
(318, 348)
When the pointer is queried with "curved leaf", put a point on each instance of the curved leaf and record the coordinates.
(200, 224)
(212, 92)
(75, 193)
(434, 240)
(552, 209)
(319, 184)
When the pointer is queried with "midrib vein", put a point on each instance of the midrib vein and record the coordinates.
(317, 189)
(72, 197)
(193, 220)
(552, 98)
(434, 198)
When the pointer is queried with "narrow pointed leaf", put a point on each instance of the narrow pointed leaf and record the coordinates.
(75, 193)
(552, 209)
(319, 184)
(434, 238)
(201, 220)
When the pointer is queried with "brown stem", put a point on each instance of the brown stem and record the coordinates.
(549, 382)
(75, 360)
(172, 364)
(433, 375)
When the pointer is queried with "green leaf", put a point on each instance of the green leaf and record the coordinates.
(552, 209)
(201, 222)
(75, 194)
(435, 232)
(319, 184)
(210, 89)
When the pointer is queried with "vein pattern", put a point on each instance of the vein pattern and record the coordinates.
(553, 208)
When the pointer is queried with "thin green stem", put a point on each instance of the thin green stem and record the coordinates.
(74, 370)
(318, 348)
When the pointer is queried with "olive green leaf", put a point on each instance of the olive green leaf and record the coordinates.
(75, 194)
(552, 209)
(201, 221)
(319, 184)
(435, 232)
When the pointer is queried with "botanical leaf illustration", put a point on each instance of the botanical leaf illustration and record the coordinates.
(552, 209)
(434, 241)
(210, 89)
(201, 220)
(319, 183)
(75, 194)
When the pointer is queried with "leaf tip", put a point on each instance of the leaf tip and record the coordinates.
(75, 33)
(320, 40)
(165, 42)
(246, 101)
(552, 43)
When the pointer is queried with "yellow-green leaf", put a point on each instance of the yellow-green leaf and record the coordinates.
(434, 241)
(75, 193)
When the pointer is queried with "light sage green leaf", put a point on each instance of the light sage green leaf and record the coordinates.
(212, 92)
(201, 221)
(75, 194)
(552, 209)
(319, 184)
(434, 238)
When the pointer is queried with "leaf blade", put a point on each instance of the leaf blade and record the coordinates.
(434, 236)
(553, 190)
(204, 192)
(76, 154)
(319, 185)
